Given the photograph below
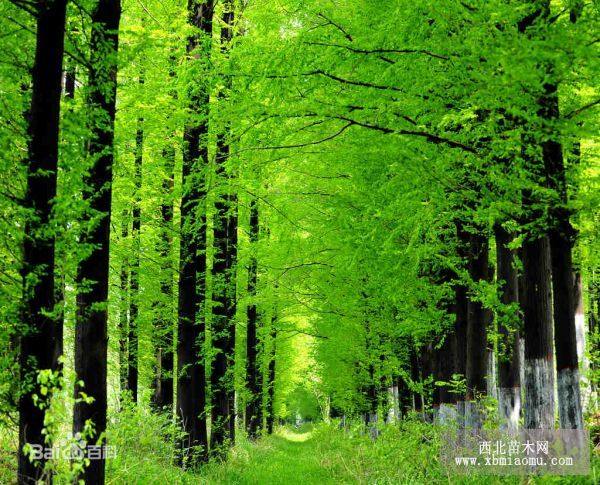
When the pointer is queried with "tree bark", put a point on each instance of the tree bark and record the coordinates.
(271, 376)
(133, 337)
(539, 373)
(91, 337)
(461, 308)
(561, 236)
(509, 383)
(123, 327)
(191, 382)
(41, 340)
(476, 333)
(162, 396)
(446, 399)
(224, 284)
(253, 371)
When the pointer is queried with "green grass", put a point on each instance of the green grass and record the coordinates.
(404, 454)
(323, 454)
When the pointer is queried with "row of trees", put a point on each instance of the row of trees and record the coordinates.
(91, 69)
(294, 206)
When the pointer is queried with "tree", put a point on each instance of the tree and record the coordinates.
(224, 284)
(91, 337)
(253, 370)
(191, 392)
(41, 339)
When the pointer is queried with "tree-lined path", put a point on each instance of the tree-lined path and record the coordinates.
(222, 217)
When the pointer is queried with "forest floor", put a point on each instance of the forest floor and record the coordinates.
(323, 454)
(310, 455)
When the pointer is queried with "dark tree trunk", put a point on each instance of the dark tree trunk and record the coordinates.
(133, 357)
(70, 75)
(124, 304)
(561, 236)
(427, 365)
(404, 396)
(270, 407)
(593, 322)
(415, 377)
(372, 398)
(446, 399)
(476, 332)
(163, 382)
(461, 308)
(509, 381)
(539, 373)
(162, 396)
(191, 382)
(253, 373)
(91, 337)
(224, 287)
(41, 341)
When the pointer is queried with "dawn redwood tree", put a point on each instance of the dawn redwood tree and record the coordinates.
(41, 339)
(253, 370)
(270, 377)
(536, 282)
(509, 383)
(562, 238)
(476, 368)
(134, 278)
(224, 278)
(123, 325)
(537, 322)
(191, 380)
(163, 381)
(91, 338)
(461, 309)
(444, 370)
(162, 395)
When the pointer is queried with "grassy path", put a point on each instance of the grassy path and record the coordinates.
(289, 457)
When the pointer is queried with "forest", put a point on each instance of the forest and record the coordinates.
(296, 241)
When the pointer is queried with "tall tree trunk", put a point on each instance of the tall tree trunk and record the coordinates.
(404, 396)
(415, 377)
(509, 383)
(162, 396)
(191, 382)
(581, 336)
(476, 332)
(133, 334)
(91, 339)
(163, 382)
(537, 315)
(593, 323)
(224, 285)
(123, 326)
(41, 341)
(270, 407)
(461, 308)
(253, 371)
(372, 398)
(446, 398)
(561, 236)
